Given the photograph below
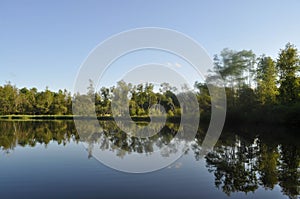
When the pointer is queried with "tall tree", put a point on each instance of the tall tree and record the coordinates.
(266, 80)
(44, 101)
(105, 101)
(120, 98)
(288, 65)
(8, 95)
(236, 67)
(59, 106)
(24, 101)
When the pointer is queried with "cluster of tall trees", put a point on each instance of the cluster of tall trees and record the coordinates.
(252, 84)
(263, 79)
(141, 98)
(256, 85)
(34, 102)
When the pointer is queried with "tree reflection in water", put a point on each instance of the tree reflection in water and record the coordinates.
(240, 162)
(245, 161)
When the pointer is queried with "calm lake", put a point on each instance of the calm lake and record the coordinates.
(47, 159)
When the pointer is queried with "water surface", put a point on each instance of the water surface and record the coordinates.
(47, 159)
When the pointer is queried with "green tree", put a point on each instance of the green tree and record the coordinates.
(24, 101)
(59, 105)
(105, 101)
(237, 69)
(203, 97)
(266, 74)
(68, 102)
(288, 65)
(8, 95)
(168, 98)
(44, 101)
(120, 98)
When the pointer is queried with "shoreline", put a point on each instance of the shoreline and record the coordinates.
(231, 120)
(72, 117)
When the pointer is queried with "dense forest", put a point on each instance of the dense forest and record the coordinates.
(258, 89)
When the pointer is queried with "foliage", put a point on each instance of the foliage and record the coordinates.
(288, 65)
(267, 90)
(257, 90)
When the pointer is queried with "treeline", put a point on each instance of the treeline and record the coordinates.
(140, 99)
(257, 88)
(26, 101)
(33, 102)
(261, 89)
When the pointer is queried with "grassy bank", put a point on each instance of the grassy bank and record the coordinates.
(37, 117)
(288, 115)
(71, 117)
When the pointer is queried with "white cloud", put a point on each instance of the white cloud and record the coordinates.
(177, 65)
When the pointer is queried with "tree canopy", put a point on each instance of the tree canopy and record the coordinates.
(253, 85)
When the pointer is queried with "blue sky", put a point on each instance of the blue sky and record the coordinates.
(43, 43)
